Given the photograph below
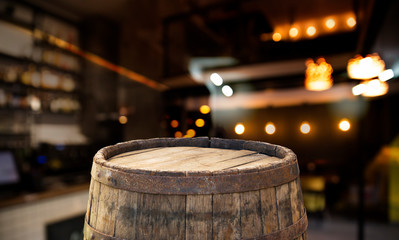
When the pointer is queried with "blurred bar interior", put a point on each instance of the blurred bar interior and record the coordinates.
(316, 76)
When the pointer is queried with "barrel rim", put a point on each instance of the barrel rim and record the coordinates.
(287, 156)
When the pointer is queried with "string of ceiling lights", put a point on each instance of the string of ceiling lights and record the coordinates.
(305, 128)
(270, 128)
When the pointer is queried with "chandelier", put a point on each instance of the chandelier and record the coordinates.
(371, 70)
(365, 68)
(318, 75)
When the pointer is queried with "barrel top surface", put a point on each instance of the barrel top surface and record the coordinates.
(191, 158)
(194, 166)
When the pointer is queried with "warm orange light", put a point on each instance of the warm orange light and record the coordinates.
(344, 125)
(239, 129)
(199, 122)
(318, 75)
(270, 128)
(305, 128)
(205, 109)
(365, 68)
(190, 133)
(351, 22)
(311, 31)
(174, 123)
(276, 37)
(122, 119)
(178, 134)
(371, 88)
(293, 32)
(330, 23)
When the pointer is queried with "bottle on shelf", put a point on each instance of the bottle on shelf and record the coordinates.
(11, 74)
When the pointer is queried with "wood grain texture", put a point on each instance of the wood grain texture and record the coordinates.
(94, 202)
(89, 202)
(126, 215)
(250, 212)
(107, 209)
(226, 216)
(269, 210)
(199, 217)
(191, 158)
(283, 206)
(160, 216)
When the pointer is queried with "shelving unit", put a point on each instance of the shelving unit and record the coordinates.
(39, 82)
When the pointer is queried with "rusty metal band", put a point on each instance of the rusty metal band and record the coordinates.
(198, 184)
(89, 233)
(291, 232)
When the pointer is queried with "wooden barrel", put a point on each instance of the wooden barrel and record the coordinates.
(196, 188)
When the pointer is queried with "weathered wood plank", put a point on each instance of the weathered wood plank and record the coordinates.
(126, 215)
(199, 217)
(148, 157)
(251, 220)
(95, 193)
(126, 155)
(160, 216)
(176, 161)
(210, 162)
(107, 209)
(255, 161)
(300, 197)
(300, 204)
(283, 206)
(226, 216)
(89, 202)
(186, 158)
(295, 208)
(295, 204)
(269, 210)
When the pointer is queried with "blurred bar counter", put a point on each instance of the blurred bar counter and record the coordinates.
(51, 193)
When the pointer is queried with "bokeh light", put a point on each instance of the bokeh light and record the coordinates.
(190, 133)
(344, 125)
(293, 32)
(216, 79)
(311, 31)
(276, 37)
(270, 128)
(351, 22)
(199, 122)
(386, 75)
(227, 91)
(122, 119)
(205, 109)
(305, 128)
(239, 128)
(174, 123)
(178, 134)
(330, 23)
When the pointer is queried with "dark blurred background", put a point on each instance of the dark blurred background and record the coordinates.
(76, 76)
